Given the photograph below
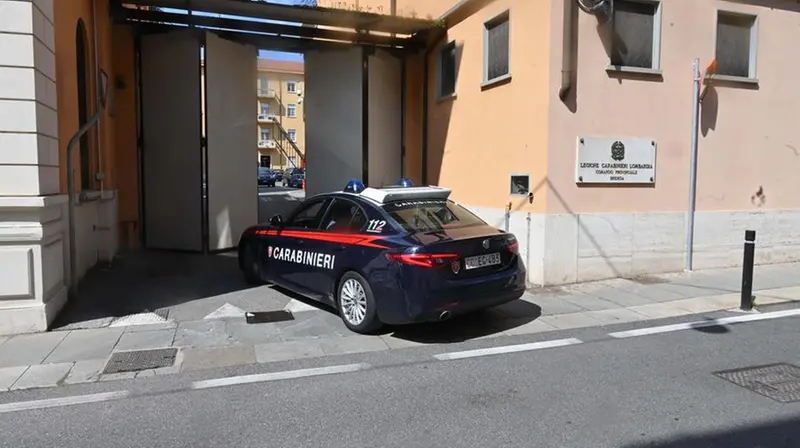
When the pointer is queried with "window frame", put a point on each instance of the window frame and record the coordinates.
(655, 68)
(263, 130)
(289, 133)
(294, 86)
(351, 203)
(752, 70)
(504, 16)
(290, 107)
(326, 204)
(263, 106)
(439, 73)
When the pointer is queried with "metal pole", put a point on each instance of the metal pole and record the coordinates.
(693, 167)
(747, 270)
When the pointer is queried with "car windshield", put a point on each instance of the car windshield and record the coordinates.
(263, 171)
(430, 215)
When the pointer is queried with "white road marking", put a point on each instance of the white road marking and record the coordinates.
(63, 401)
(275, 376)
(704, 323)
(507, 349)
(224, 311)
(296, 306)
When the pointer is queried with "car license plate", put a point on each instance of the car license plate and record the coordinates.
(480, 261)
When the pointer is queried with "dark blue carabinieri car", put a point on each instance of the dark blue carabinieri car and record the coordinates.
(393, 255)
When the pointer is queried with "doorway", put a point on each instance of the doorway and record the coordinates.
(265, 161)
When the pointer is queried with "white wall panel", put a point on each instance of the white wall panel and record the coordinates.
(333, 106)
(172, 156)
(385, 107)
(231, 130)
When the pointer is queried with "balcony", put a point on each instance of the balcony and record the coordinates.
(270, 144)
(264, 118)
(267, 93)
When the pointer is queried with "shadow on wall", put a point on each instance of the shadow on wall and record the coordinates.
(439, 114)
(778, 434)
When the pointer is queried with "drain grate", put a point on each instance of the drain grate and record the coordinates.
(779, 382)
(263, 317)
(137, 360)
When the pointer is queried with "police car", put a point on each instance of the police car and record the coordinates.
(392, 255)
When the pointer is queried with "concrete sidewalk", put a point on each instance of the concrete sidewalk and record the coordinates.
(78, 356)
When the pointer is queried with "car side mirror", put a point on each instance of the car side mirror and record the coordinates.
(276, 221)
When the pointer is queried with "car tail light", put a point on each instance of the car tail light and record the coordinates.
(423, 260)
(512, 245)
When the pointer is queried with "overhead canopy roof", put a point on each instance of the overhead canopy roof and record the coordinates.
(247, 20)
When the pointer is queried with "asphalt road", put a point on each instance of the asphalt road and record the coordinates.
(652, 390)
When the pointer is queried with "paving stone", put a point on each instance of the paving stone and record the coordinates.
(87, 371)
(82, 345)
(660, 310)
(567, 321)
(9, 375)
(142, 340)
(209, 333)
(616, 316)
(589, 302)
(620, 297)
(556, 305)
(169, 325)
(526, 307)
(653, 293)
(29, 349)
(283, 351)
(118, 376)
(353, 344)
(244, 333)
(215, 357)
(706, 304)
(315, 327)
(529, 327)
(43, 375)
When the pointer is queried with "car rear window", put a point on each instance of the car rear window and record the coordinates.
(431, 215)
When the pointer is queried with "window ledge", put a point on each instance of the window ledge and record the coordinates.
(445, 98)
(636, 70)
(733, 79)
(495, 81)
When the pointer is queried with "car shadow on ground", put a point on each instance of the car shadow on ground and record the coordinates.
(460, 328)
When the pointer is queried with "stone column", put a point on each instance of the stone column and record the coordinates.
(32, 212)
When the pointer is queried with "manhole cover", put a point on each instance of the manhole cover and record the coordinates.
(780, 382)
(135, 361)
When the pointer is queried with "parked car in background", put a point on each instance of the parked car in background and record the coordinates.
(287, 175)
(296, 181)
(278, 174)
(266, 177)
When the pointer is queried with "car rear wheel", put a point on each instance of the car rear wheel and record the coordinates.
(357, 304)
(249, 265)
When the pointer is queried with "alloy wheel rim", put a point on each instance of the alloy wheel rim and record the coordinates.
(353, 300)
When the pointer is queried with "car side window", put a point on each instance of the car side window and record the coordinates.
(309, 216)
(344, 216)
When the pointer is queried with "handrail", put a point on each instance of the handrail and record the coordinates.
(285, 135)
(280, 147)
(73, 274)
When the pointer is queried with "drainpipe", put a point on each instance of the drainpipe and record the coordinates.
(566, 51)
(98, 93)
(73, 196)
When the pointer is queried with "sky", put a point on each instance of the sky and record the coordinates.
(268, 54)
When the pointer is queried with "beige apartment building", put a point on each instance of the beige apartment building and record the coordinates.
(281, 122)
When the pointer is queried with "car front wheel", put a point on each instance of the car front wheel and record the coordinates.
(357, 304)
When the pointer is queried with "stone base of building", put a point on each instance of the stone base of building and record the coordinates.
(34, 254)
(564, 249)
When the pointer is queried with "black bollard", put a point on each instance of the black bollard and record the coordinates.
(747, 270)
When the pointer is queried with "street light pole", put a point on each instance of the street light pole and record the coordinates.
(693, 166)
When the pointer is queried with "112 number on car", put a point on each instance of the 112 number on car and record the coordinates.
(375, 225)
